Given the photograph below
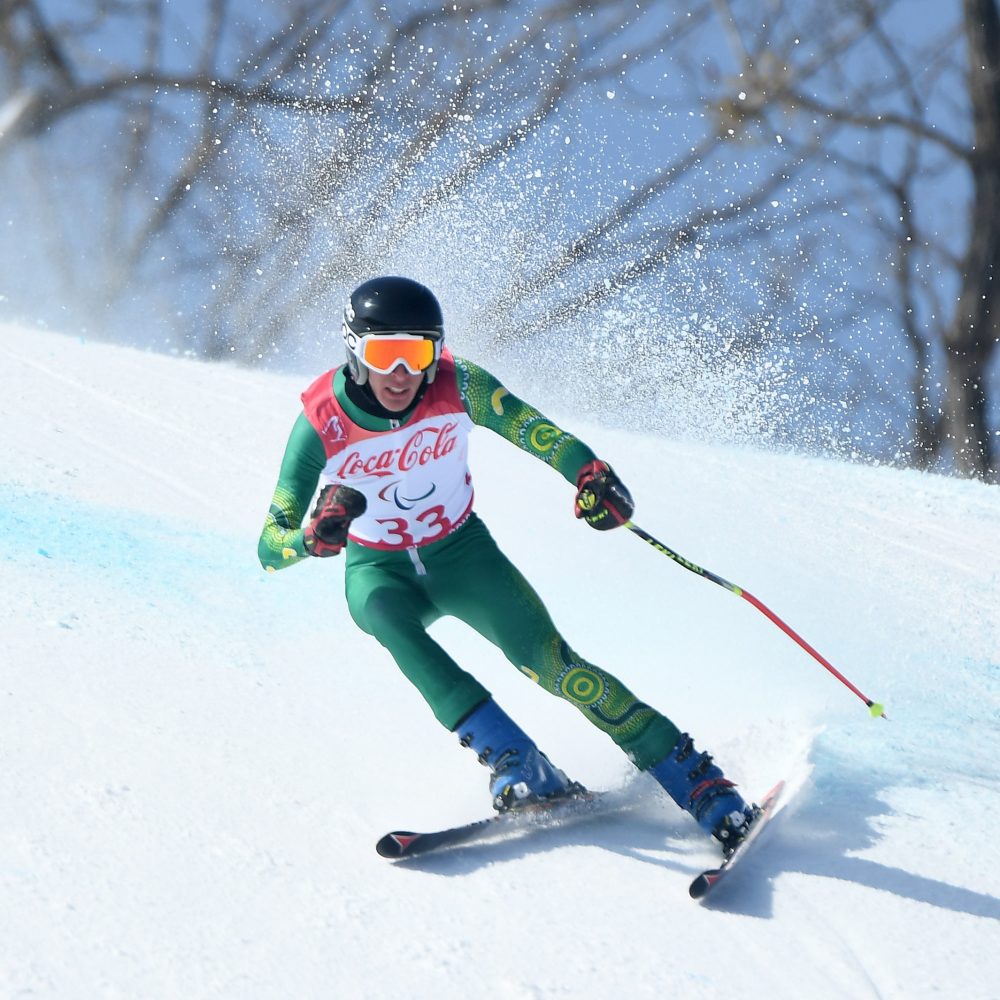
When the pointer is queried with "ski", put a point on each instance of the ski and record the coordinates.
(401, 844)
(711, 877)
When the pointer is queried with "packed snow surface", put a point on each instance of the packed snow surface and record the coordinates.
(197, 757)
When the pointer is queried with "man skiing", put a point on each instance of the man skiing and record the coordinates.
(387, 435)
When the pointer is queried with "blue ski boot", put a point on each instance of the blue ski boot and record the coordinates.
(699, 787)
(521, 773)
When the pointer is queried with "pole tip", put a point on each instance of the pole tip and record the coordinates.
(877, 710)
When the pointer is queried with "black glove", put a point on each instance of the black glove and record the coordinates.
(601, 498)
(336, 506)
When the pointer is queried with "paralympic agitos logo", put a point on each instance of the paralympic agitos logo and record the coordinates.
(425, 445)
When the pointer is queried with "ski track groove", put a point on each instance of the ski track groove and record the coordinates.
(872, 518)
(282, 400)
(172, 431)
(830, 932)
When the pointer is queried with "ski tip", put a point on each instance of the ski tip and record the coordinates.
(396, 844)
(703, 883)
(774, 794)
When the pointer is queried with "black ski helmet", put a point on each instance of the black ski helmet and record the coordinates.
(390, 305)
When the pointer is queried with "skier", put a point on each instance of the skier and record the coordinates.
(387, 434)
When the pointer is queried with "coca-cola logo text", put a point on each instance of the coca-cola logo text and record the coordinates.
(425, 445)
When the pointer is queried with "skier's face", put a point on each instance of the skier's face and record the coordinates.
(396, 390)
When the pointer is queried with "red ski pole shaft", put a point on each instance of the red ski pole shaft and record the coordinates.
(874, 707)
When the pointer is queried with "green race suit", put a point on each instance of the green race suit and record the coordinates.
(403, 573)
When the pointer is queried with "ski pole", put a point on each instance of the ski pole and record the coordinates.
(874, 707)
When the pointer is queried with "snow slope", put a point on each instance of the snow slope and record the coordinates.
(197, 757)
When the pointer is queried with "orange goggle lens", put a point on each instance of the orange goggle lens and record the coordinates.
(384, 354)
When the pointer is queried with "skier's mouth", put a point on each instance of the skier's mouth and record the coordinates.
(396, 398)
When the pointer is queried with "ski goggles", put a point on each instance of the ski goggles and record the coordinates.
(384, 352)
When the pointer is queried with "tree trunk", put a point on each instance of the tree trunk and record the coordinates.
(971, 339)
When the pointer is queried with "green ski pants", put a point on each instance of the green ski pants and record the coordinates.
(394, 596)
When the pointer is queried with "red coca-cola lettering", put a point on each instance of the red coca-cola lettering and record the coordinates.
(374, 465)
(425, 445)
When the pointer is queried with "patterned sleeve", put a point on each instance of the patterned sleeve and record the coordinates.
(490, 405)
(280, 542)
